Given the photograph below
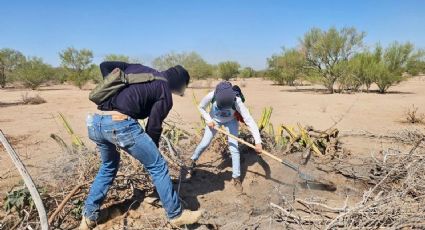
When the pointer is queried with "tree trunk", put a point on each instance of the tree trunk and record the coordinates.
(3, 78)
(330, 87)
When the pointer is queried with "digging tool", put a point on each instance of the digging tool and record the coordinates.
(27, 180)
(328, 185)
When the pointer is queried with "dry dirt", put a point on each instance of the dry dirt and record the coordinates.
(30, 126)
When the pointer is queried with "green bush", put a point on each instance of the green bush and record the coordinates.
(416, 63)
(361, 68)
(116, 57)
(326, 50)
(384, 78)
(34, 72)
(287, 67)
(228, 70)
(78, 64)
(10, 60)
(197, 67)
(247, 72)
(392, 64)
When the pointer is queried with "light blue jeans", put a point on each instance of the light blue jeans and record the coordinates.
(233, 128)
(129, 136)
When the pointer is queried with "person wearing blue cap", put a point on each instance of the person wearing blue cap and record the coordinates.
(226, 105)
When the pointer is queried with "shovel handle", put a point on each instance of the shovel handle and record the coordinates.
(248, 144)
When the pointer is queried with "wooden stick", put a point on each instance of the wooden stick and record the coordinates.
(62, 204)
(248, 144)
(28, 182)
(337, 210)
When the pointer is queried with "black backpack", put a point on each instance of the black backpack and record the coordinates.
(239, 93)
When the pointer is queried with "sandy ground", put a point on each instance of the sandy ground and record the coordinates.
(31, 125)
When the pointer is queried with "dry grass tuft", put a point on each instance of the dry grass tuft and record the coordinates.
(32, 100)
(413, 116)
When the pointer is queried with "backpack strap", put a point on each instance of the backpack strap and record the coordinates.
(134, 78)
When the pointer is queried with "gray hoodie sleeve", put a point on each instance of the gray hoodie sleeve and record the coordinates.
(240, 107)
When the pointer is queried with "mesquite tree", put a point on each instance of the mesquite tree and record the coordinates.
(327, 52)
(78, 63)
(287, 67)
(10, 60)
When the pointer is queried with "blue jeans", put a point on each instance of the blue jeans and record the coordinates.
(233, 128)
(129, 136)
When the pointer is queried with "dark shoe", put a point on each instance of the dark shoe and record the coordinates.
(238, 184)
(187, 217)
(191, 169)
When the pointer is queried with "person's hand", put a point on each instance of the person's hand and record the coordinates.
(258, 148)
(211, 124)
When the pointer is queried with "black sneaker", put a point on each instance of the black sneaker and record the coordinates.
(191, 169)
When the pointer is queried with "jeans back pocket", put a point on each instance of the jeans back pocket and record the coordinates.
(123, 137)
(91, 128)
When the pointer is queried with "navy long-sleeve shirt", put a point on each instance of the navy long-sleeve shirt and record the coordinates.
(151, 99)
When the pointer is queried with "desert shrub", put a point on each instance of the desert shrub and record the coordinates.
(197, 67)
(413, 116)
(396, 56)
(34, 72)
(383, 67)
(94, 74)
(32, 100)
(10, 60)
(326, 50)
(260, 74)
(228, 69)
(116, 57)
(276, 76)
(286, 68)
(78, 64)
(349, 82)
(59, 75)
(391, 65)
(247, 72)
(416, 63)
(384, 79)
(361, 68)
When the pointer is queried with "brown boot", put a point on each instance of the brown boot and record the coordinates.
(238, 184)
(87, 224)
(187, 217)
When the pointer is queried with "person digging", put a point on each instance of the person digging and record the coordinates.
(227, 109)
(130, 92)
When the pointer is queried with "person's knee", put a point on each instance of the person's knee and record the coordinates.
(233, 148)
(110, 168)
(159, 167)
(203, 145)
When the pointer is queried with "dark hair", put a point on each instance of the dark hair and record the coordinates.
(177, 77)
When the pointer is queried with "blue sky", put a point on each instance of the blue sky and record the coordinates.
(245, 31)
